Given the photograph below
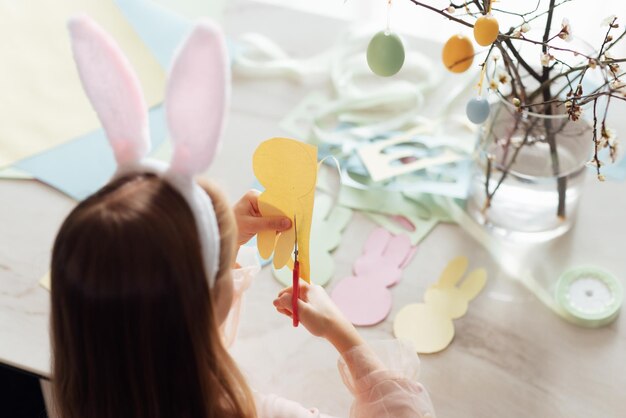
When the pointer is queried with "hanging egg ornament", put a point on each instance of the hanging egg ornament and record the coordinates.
(486, 30)
(385, 54)
(458, 53)
(477, 110)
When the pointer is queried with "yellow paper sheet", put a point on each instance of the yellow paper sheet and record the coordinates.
(45, 281)
(43, 103)
(288, 170)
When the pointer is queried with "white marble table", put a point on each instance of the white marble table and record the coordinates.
(510, 358)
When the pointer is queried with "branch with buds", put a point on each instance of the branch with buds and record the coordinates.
(554, 83)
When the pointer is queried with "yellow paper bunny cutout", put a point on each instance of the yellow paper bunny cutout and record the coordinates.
(429, 325)
(288, 170)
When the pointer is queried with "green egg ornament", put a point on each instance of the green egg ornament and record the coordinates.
(385, 54)
(477, 110)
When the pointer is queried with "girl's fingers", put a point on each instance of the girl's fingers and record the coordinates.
(252, 196)
(284, 312)
(288, 290)
(267, 223)
(283, 302)
(304, 290)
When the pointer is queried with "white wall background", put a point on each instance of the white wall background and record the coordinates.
(585, 16)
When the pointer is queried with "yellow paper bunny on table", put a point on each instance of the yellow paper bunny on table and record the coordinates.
(288, 170)
(429, 325)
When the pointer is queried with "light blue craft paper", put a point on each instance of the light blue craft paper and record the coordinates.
(159, 28)
(80, 167)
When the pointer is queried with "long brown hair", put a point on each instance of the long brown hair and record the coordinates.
(134, 332)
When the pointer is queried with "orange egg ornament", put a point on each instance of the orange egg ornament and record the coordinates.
(458, 53)
(486, 30)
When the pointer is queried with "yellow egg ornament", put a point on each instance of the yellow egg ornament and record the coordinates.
(458, 53)
(486, 30)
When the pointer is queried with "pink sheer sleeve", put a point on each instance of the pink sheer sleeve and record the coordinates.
(383, 379)
(249, 267)
(272, 406)
(382, 376)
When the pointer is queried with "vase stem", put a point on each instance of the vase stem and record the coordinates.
(561, 181)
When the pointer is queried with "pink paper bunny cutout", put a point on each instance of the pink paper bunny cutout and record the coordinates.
(365, 298)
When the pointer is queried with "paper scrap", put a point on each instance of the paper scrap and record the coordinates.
(451, 179)
(429, 325)
(43, 102)
(287, 169)
(415, 228)
(383, 162)
(414, 217)
(45, 282)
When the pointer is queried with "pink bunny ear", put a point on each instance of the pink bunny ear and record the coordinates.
(399, 250)
(377, 242)
(112, 88)
(196, 99)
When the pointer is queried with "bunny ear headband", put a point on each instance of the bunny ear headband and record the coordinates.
(196, 100)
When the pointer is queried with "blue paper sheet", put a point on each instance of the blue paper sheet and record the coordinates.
(161, 29)
(80, 167)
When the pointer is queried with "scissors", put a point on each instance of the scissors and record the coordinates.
(295, 295)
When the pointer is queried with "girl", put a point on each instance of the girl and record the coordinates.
(142, 271)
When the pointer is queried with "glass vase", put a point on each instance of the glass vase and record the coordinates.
(529, 172)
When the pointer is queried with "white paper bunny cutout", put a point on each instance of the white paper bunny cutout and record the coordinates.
(196, 100)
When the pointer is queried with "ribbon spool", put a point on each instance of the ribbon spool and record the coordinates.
(589, 297)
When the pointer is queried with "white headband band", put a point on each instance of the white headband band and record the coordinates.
(196, 101)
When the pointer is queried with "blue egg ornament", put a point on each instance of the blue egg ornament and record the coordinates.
(385, 54)
(477, 110)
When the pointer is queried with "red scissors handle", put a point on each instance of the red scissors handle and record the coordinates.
(295, 295)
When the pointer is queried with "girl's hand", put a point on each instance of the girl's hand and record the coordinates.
(320, 316)
(249, 219)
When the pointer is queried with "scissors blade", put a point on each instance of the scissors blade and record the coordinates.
(295, 246)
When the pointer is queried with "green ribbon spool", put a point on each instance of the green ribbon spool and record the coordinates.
(585, 296)
(589, 297)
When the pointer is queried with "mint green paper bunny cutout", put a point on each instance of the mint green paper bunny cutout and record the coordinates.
(328, 223)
